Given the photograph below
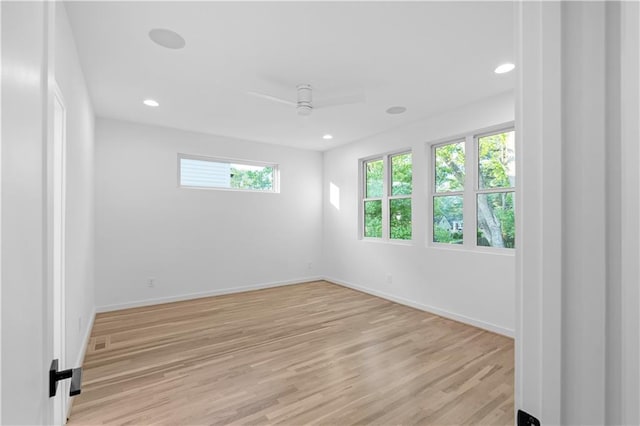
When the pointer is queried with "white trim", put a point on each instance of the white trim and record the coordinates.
(57, 175)
(539, 254)
(227, 160)
(427, 308)
(218, 292)
(630, 223)
(386, 224)
(478, 249)
(51, 405)
(381, 155)
(85, 339)
(1, 219)
(81, 354)
(462, 137)
(444, 142)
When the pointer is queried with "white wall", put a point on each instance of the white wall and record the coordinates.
(197, 242)
(79, 191)
(475, 287)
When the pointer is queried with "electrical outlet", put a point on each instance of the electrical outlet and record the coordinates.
(389, 279)
(310, 265)
(151, 282)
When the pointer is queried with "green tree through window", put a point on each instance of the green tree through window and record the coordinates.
(400, 201)
(256, 178)
(491, 190)
(449, 186)
(374, 182)
(387, 189)
(496, 209)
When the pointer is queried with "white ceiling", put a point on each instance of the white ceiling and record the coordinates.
(427, 56)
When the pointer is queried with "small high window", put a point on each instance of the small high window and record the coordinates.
(215, 173)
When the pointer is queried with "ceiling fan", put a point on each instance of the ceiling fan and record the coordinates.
(305, 103)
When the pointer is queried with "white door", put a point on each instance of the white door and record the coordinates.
(58, 258)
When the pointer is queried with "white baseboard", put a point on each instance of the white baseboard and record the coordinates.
(427, 308)
(218, 292)
(85, 339)
(431, 309)
(81, 354)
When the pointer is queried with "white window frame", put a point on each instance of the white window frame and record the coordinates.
(275, 188)
(434, 193)
(470, 192)
(478, 191)
(386, 196)
(363, 196)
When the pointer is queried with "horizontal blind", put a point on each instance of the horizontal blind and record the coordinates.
(202, 173)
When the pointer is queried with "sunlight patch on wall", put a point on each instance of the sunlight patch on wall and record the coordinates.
(334, 195)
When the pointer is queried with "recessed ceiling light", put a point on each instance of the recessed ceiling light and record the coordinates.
(396, 110)
(151, 103)
(504, 68)
(327, 136)
(167, 38)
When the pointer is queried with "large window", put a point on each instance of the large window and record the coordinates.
(214, 173)
(473, 192)
(387, 185)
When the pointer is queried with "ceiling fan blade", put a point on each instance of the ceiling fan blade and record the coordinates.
(272, 98)
(352, 98)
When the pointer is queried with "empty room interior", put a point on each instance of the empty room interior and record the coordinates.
(320, 213)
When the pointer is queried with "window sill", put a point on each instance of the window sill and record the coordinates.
(406, 243)
(479, 250)
(211, 188)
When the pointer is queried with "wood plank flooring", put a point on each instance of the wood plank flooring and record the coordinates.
(313, 353)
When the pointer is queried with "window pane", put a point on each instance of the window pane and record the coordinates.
(447, 219)
(205, 174)
(496, 225)
(449, 167)
(373, 178)
(400, 218)
(497, 161)
(401, 171)
(251, 177)
(373, 219)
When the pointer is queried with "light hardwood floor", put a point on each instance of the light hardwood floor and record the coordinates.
(313, 353)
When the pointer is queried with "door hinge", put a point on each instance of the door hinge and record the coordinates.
(526, 419)
(75, 374)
